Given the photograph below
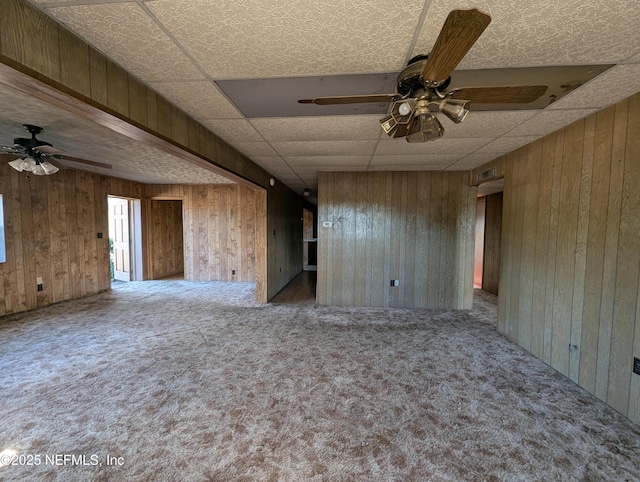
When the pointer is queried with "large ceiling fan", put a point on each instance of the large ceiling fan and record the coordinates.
(422, 85)
(39, 157)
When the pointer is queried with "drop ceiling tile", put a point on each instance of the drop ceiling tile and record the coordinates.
(438, 166)
(199, 99)
(310, 174)
(549, 121)
(328, 161)
(476, 159)
(329, 128)
(273, 164)
(485, 123)
(543, 32)
(443, 145)
(398, 161)
(253, 149)
(282, 38)
(503, 145)
(127, 35)
(233, 130)
(599, 92)
(324, 148)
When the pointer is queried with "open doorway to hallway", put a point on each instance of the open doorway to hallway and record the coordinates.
(125, 238)
(302, 289)
(486, 274)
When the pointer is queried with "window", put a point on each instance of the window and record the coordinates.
(3, 254)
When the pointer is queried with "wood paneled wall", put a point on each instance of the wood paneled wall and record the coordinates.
(220, 226)
(220, 229)
(569, 286)
(51, 230)
(492, 239)
(167, 252)
(34, 44)
(417, 227)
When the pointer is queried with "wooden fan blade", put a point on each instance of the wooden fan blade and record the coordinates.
(351, 99)
(49, 150)
(85, 161)
(459, 32)
(513, 94)
(11, 150)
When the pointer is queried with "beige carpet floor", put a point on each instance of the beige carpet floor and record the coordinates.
(183, 381)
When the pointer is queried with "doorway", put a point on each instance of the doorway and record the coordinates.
(309, 248)
(486, 272)
(125, 236)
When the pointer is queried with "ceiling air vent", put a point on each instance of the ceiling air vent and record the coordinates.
(481, 176)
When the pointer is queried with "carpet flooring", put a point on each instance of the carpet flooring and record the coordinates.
(185, 381)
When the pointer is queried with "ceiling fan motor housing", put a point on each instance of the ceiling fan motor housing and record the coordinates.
(27, 143)
(410, 79)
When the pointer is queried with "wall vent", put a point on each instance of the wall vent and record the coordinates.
(481, 176)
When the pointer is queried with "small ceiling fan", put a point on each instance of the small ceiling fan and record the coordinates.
(39, 156)
(422, 85)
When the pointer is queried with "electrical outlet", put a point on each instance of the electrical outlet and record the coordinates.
(233, 271)
(395, 282)
(636, 365)
(40, 287)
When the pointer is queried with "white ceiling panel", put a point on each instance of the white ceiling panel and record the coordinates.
(549, 121)
(542, 32)
(199, 99)
(233, 130)
(125, 33)
(444, 145)
(329, 128)
(328, 161)
(320, 148)
(268, 55)
(291, 37)
(256, 149)
(503, 145)
(486, 124)
(276, 164)
(401, 162)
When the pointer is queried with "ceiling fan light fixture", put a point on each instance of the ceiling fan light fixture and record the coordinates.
(455, 109)
(28, 164)
(16, 164)
(397, 122)
(39, 170)
(425, 127)
(48, 168)
(389, 124)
